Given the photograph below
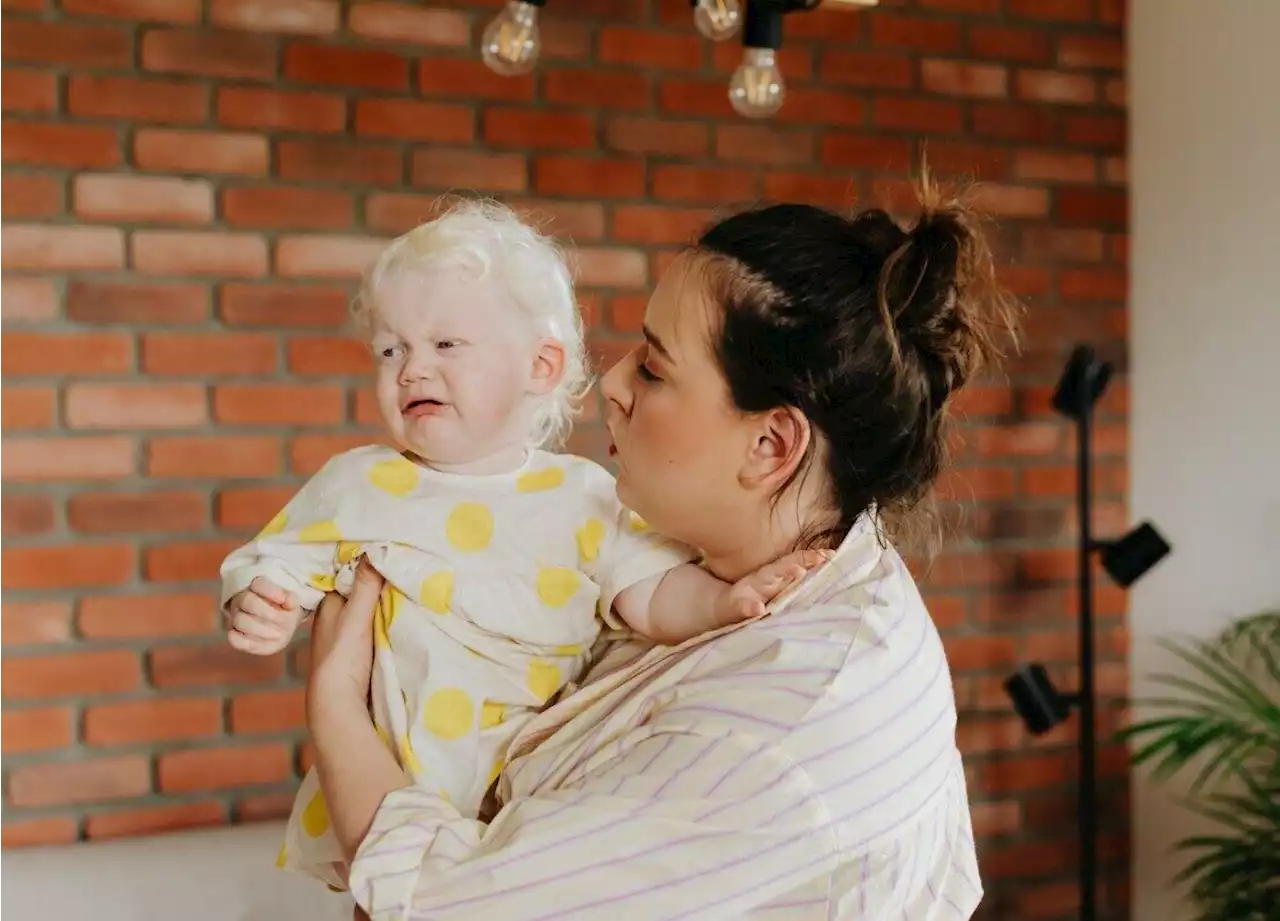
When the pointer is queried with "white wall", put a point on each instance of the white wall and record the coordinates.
(1205, 348)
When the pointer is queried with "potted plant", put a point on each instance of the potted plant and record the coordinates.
(1222, 718)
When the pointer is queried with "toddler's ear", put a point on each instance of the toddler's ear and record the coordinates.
(548, 366)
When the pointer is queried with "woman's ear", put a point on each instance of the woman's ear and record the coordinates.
(778, 447)
(548, 366)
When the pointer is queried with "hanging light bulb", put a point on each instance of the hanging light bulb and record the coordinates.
(511, 43)
(756, 89)
(717, 19)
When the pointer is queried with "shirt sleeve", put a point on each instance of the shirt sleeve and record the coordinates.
(299, 549)
(675, 826)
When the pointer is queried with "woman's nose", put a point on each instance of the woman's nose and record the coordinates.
(615, 385)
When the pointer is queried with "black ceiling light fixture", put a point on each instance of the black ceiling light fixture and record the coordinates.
(510, 44)
(1126, 559)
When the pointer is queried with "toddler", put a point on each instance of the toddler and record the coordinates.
(500, 559)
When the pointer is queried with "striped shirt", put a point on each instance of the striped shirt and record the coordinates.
(799, 767)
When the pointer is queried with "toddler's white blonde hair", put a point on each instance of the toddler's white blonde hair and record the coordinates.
(489, 240)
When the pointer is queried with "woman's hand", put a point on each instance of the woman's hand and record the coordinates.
(342, 644)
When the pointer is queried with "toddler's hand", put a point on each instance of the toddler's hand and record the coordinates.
(262, 618)
(747, 597)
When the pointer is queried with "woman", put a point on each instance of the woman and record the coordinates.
(791, 391)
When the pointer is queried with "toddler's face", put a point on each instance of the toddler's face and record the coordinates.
(455, 367)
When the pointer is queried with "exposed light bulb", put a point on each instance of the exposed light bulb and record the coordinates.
(756, 89)
(717, 19)
(511, 43)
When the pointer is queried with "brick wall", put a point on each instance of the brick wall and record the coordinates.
(190, 187)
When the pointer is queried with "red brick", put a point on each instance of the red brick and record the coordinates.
(285, 206)
(29, 91)
(202, 355)
(200, 151)
(32, 196)
(35, 729)
(866, 69)
(165, 101)
(655, 136)
(656, 50)
(1102, 132)
(70, 674)
(450, 169)
(50, 459)
(523, 128)
(58, 783)
(61, 146)
(136, 722)
(829, 191)
(38, 832)
(311, 17)
(1092, 206)
(272, 711)
(1055, 167)
(328, 65)
(589, 177)
(1014, 122)
(33, 246)
(278, 404)
(931, 35)
(147, 616)
(138, 512)
(414, 120)
(1011, 43)
(698, 184)
(35, 623)
(340, 355)
(859, 150)
(159, 199)
(1078, 10)
(184, 11)
(407, 22)
(27, 407)
(603, 88)
(235, 55)
(958, 78)
(191, 252)
(1056, 87)
(283, 305)
(468, 78)
(64, 44)
(153, 820)
(904, 113)
(135, 405)
(249, 507)
(757, 144)
(308, 453)
(339, 161)
(310, 111)
(222, 768)
(44, 354)
(326, 256)
(94, 301)
(610, 268)
(189, 561)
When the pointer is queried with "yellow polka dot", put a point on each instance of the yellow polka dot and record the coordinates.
(556, 585)
(275, 525)
(638, 524)
(315, 817)
(348, 550)
(322, 532)
(397, 476)
(408, 757)
(449, 714)
(491, 714)
(569, 649)
(540, 480)
(469, 527)
(322, 581)
(436, 592)
(282, 859)
(590, 537)
(543, 679)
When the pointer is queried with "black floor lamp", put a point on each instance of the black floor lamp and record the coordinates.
(1126, 559)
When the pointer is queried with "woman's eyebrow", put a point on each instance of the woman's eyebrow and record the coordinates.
(656, 343)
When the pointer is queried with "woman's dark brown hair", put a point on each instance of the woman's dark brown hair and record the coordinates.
(866, 327)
